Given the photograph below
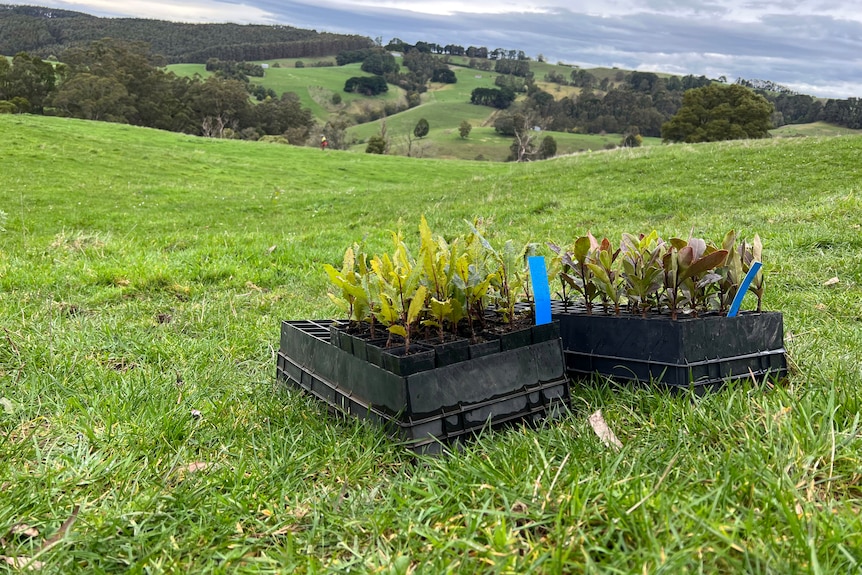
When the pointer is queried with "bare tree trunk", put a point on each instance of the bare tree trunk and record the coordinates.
(215, 126)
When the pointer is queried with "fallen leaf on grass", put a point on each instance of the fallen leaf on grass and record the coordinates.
(285, 530)
(603, 431)
(831, 281)
(25, 530)
(782, 413)
(196, 466)
(299, 512)
(22, 562)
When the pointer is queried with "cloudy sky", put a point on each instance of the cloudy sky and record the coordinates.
(812, 46)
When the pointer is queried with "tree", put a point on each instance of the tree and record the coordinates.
(30, 78)
(284, 116)
(93, 98)
(632, 138)
(464, 129)
(219, 104)
(154, 98)
(336, 133)
(376, 145)
(548, 148)
(444, 76)
(719, 112)
(5, 68)
(421, 129)
(380, 63)
(523, 145)
(510, 82)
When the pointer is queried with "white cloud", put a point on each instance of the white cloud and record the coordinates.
(448, 7)
(198, 11)
(729, 10)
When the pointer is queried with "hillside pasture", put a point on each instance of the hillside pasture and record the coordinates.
(445, 106)
(143, 279)
(314, 86)
(816, 129)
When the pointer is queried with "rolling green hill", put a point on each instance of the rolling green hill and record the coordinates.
(813, 129)
(143, 278)
(445, 106)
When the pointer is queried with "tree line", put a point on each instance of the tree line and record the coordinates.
(638, 99)
(645, 101)
(46, 32)
(115, 81)
(480, 52)
(794, 108)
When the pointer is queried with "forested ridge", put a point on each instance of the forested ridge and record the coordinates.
(48, 32)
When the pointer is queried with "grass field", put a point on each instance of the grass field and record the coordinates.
(143, 276)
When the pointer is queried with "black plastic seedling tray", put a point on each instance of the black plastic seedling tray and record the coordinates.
(701, 352)
(452, 395)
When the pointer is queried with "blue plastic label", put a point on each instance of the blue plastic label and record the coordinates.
(743, 287)
(541, 289)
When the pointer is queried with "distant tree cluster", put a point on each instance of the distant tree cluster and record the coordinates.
(345, 57)
(846, 113)
(765, 86)
(422, 67)
(240, 71)
(641, 99)
(473, 52)
(513, 83)
(115, 81)
(366, 85)
(497, 98)
(376, 61)
(794, 108)
(398, 45)
(514, 67)
(234, 70)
